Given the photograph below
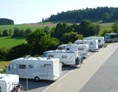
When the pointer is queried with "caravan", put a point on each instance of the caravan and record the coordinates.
(100, 39)
(82, 48)
(62, 47)
(93, 44)
(35, 68)
(66, 58)
(9, 83)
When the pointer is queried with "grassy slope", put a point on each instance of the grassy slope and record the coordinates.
(105, 26)
(10, 42)
(25, 26)
(3, 64)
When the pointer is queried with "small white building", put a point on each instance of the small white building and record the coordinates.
(9, 83)
(35, 68)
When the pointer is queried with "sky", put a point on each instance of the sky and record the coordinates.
(32, 11)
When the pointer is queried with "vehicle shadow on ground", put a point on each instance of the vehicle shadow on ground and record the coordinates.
(29, 84)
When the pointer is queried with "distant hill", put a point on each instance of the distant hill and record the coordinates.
(106, 14)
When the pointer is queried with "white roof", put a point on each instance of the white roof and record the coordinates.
(8, 77)
(35, 59)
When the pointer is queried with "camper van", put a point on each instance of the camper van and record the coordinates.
(93, 44)
(37, 68)
(71, 58)
(82, 48)
(9, 83)
(100, 39)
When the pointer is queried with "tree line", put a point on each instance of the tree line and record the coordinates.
(106, 14)
(41, 40)
(5, 21)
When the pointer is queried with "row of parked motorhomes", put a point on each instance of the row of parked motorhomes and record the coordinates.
(49, 66)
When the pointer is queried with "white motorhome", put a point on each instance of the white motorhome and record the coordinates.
(82, 48)
(66, 58)
(93, 44)
(37, 68)
(9, 83)
(62, 47)
(100, 39)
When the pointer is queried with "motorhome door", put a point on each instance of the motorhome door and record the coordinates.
(14, 69)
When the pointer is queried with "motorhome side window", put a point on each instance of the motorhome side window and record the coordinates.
(64, 57)
(47, 65)
(80, 48)
(51, 56)
(22, 66)
(31, 66)
(99, 41)
(67, 49)
(91, 43)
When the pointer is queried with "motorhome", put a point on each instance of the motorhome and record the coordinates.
(71, 58)
(100, 39)
(82, 48)
(61, 47)
(9, 83)
(37, 68)
(93, 44)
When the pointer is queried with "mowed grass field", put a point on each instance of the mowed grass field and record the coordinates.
(9, 42)
(3, 64)
(32, 26)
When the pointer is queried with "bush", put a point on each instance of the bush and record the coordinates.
(3, 53)
(4, 69)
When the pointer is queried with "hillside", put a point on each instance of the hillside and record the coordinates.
(106, 14)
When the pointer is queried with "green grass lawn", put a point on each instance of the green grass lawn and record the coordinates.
(10, 42)
(3, 64)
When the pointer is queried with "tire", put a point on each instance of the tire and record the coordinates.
(82, 59)
(36, 79)
(77, 61)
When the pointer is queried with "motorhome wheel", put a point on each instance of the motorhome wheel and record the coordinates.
(36, 79)
(77, 61)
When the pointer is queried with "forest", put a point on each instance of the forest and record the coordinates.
(5, 21)
(106, 14)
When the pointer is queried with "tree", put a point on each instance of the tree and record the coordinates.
(10, 31)
(5, 21)
(106, 17)
(47, 30)
(97, 30)
(60, 29)
(86, 28)
(115, 27)
(39, 41)
(16, 32)
(21, 33)
(5, 32)
(27, 32)
(18, 51)
(70, 37)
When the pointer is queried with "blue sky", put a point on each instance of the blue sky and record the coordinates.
(32, 11)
